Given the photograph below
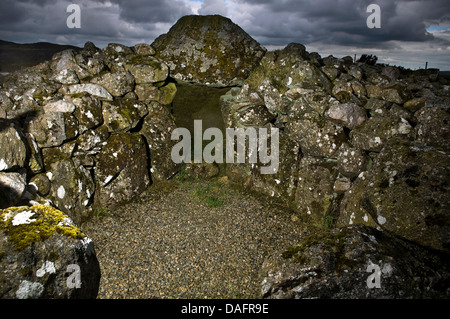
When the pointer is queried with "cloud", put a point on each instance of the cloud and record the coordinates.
(213, 7)
(341, 22)
(151, 11)
(319, 24)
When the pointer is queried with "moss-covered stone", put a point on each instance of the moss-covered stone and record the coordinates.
(27, 225)
(147, 69)
(208, 50)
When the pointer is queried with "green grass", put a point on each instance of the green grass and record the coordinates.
(210, 194)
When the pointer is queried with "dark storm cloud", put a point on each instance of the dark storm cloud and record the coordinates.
(344, 22)
(102, 21)
(151, 11)
(325, 24)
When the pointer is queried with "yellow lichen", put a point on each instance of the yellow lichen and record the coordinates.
(45, 222)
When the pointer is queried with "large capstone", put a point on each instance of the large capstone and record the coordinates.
(208, 50)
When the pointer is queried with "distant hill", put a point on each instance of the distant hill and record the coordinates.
(15, 56)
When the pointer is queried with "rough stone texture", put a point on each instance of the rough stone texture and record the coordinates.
(351, 161)
(406, 192)
(122, 169)
(118, 83)
(376, 131)
(316, 136)
(72, 188)
(13, 151)
(372, 144)
(93, 89)
(61, 118)
(314, 193)
(43, 255)
(157, 130)
(348, 114)
(123, 114)
(147, 69)
(343, 264)
(54, 128)
(433, 128)
(208, 50)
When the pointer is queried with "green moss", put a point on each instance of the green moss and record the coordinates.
(77, 95)
(209, 194)
(46, 221)
(333, 242)
(144, 60)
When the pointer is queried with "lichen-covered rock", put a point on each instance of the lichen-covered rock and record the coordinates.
(405, 192)
(93, 89)
(41, 184)
(316, 136)
(122, 169)
(13, 150)
(118, 83)
(43, 255)
(433, 128)
(208, 50)
(147, 69)
(72, 187)
(157, 129)
(88, 111)
(279, 184)
(356, 262)
(54, 128)
(314, 195)
(92, 141)
(396, 93)
(351, 161)
(377, 130)
(347, 114)
(144, 49)
(64, 66)
(123, 114)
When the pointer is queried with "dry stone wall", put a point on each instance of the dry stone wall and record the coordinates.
(86, 130)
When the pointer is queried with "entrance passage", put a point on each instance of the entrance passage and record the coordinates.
(198, 102)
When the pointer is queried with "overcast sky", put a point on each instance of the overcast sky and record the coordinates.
(412, 32)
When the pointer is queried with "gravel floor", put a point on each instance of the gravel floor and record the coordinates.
(191, 239)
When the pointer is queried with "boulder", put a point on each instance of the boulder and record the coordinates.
(122, 169)
(54, 128)
(64, 67)
(433, 128)
(93, 89)
(347, 114)
(147, 69)
(405, 192)
(377, 130)
(123, 114)
(208, 50)
(13, 151)
(316, 136)
(88, 111)
(356, 262)
(351, 161)
(144, 49)
(314, 195)
(118, 83)
(72, 187)
(43, 255)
